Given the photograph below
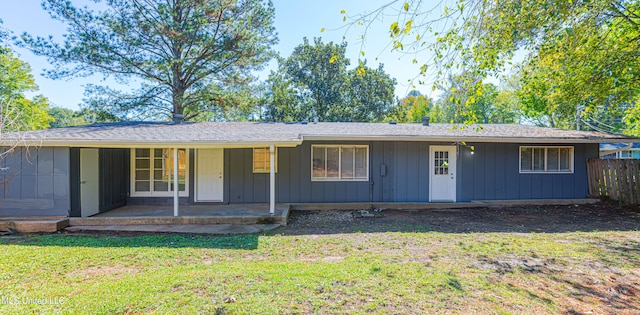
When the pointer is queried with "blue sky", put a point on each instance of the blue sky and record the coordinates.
(294, 20)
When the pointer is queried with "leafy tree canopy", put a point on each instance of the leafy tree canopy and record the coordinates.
(412, 108)
(592, 75)
(581, 54)
(16, 80)
(486, 104)
(182, 52)
(315, 82)
(65, 117)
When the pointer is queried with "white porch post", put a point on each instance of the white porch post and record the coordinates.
(272, 180)
(176, 186)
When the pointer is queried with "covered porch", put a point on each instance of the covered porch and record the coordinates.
(144, 182)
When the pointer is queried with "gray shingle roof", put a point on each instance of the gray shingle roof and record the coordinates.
(254, 133)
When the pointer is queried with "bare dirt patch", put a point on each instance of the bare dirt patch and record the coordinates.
(523, 219)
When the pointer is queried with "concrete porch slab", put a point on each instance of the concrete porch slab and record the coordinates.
(244, 210)
(219, 229)
(180, 220)
(139, 215)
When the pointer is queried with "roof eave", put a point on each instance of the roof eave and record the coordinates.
(149, 144)
(465, 139)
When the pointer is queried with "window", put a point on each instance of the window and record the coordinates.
(261, 160)
(441, 162)
(153, 172)
(340, 162)
(628, 154)
(546, 159)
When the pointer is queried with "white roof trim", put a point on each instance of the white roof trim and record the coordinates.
(461, 139)
(151, 144)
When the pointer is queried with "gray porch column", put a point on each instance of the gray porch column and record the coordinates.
(272, 180)
(176, 185)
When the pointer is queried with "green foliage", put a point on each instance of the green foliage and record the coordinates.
(632, 119)
(412, 108)
(319, 72)
(182, 53)
(16, 80)
(64, 117)
(236, 103)
(505, 107)
(315, 82)
(591, 70)
(464, 101)
(369, 94)
(583, 55)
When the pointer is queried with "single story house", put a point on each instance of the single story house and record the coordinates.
(620, 150)
(82, 171)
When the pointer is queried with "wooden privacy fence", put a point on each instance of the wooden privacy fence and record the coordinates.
(616, 179)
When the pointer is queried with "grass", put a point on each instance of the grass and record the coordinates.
(360, 273)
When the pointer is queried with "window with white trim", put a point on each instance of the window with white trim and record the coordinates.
(541, 159)
(628, 154)
(152, 172)
(262, 160)
(339, 162)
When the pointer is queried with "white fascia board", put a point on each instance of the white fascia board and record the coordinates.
(154, 144)
(465, 139)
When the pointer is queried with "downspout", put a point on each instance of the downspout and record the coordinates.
(629, 146)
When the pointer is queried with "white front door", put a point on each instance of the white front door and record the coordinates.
(89, 186)
(210, 175)
(442, 179)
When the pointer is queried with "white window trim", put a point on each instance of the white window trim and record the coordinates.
(340, 179)
(253, 160)
(545, 171)
(624, 154)
(132, 185)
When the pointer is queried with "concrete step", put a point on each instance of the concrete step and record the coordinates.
(220, 229)
(34, 225)
(181, 220)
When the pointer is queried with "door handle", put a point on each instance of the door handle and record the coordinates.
(83, 182)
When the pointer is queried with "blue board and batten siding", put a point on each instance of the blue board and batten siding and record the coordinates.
(293, 180)
(35, 182)
(406, 178)
(45, 180)
(491, 173)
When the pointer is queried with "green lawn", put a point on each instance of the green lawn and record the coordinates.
(388, 272)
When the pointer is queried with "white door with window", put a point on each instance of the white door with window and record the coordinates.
(210, 175)
(89, 186)
(442, 177)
